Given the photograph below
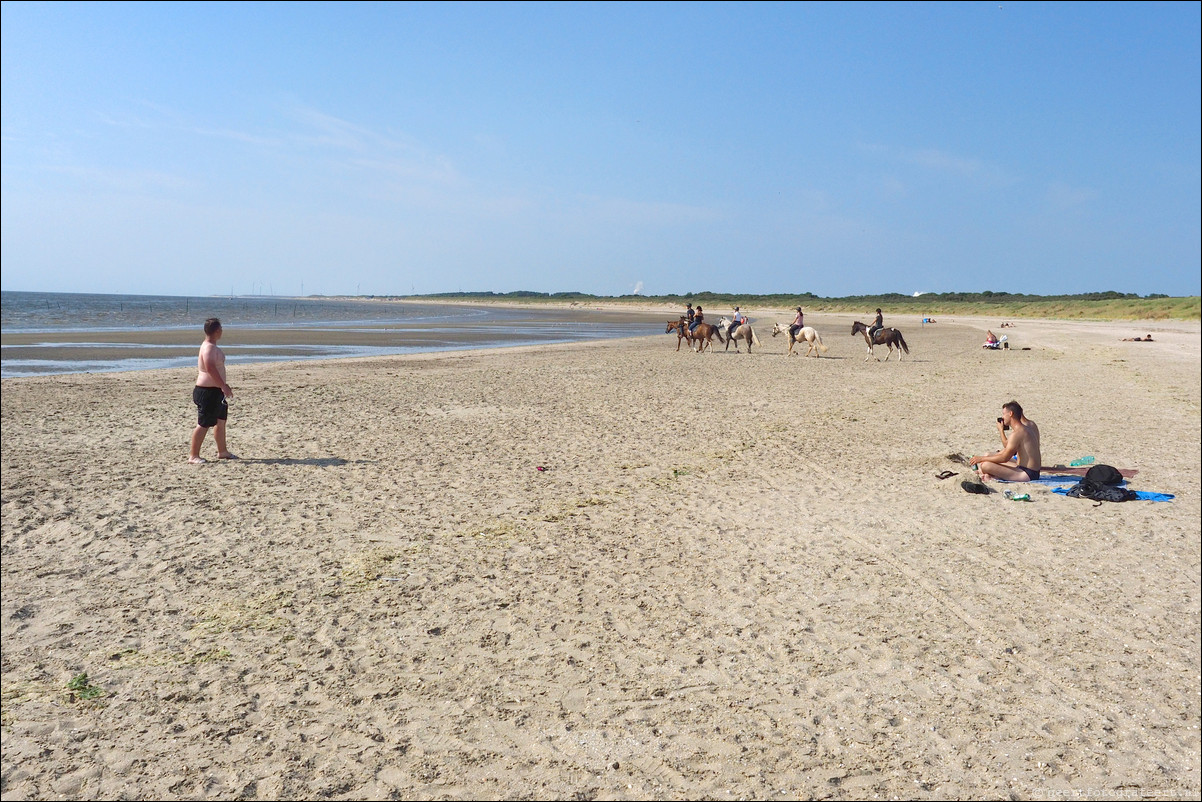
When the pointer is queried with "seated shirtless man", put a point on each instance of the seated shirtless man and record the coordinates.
(1023, 440)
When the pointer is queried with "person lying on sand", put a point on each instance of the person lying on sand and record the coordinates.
(1147, 339)
(1022, 441)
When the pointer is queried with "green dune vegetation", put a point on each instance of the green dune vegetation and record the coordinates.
(1086, 306)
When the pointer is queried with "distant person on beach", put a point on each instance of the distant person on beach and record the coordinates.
(877, 325)
(1147, 339)
(1022, 441)
(799, 322)
(698, 318)
(211, 395)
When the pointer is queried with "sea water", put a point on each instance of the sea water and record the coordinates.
(79, 327)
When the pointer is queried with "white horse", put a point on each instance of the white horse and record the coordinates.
(807, 333)
(742, 332)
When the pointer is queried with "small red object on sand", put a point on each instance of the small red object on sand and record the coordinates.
(541, 468)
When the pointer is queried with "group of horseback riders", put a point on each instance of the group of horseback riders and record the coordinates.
(696, 316)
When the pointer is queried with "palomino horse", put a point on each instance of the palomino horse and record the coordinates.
(702, 334)
(890, 337)
(807, 333)
(742, 332)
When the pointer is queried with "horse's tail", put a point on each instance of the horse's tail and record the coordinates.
(754, 338)
(821, 347)
(902, 342)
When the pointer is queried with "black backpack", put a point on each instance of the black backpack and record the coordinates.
(1101, 483)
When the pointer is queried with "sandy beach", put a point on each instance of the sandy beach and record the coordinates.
(734, 576)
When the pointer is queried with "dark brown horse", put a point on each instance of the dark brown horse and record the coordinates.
(890, 337)
(702, 334)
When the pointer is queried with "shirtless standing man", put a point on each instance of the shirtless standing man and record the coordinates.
(1023, 440)
(210, 395)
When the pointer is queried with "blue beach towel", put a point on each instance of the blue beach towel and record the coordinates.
(1141, 495)
(1051, 480)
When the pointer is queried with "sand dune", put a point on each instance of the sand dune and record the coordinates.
(736, 577)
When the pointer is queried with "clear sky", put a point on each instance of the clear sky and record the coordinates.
(380, 149)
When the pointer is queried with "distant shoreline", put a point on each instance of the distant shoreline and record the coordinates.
(1120, 308)
(1106, 306)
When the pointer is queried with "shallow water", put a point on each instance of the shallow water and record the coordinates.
(57, 333)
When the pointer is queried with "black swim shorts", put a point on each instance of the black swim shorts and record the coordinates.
(1031, 473)
(210, 406)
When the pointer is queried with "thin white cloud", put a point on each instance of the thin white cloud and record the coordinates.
(945, 162)
(329, 131)
(121, 180)
(238, 136)
(659, 213)
(1060, 195)
(436, 171)
(967, 168)
(398, 159)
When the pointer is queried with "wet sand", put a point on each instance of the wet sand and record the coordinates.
(737, 575)
(281, 342)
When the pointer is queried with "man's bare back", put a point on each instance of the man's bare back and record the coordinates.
(1025, 439)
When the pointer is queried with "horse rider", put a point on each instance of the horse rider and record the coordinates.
(737, 320)
(876, 326)
(689, 315)
(698, 317)
(798, 323)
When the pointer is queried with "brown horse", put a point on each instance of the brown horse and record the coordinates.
(702, 334)
(682, 332)
(890, 337)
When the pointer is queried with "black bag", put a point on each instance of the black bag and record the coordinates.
(1101, 483)
(1104, 475)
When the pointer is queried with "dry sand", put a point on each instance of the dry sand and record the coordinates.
(737, 576)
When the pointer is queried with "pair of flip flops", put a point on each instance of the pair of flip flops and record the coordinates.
(946, 475)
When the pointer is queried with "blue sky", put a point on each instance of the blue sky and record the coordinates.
(607, 148)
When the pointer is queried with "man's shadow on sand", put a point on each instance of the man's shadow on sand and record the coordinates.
(318, 462)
